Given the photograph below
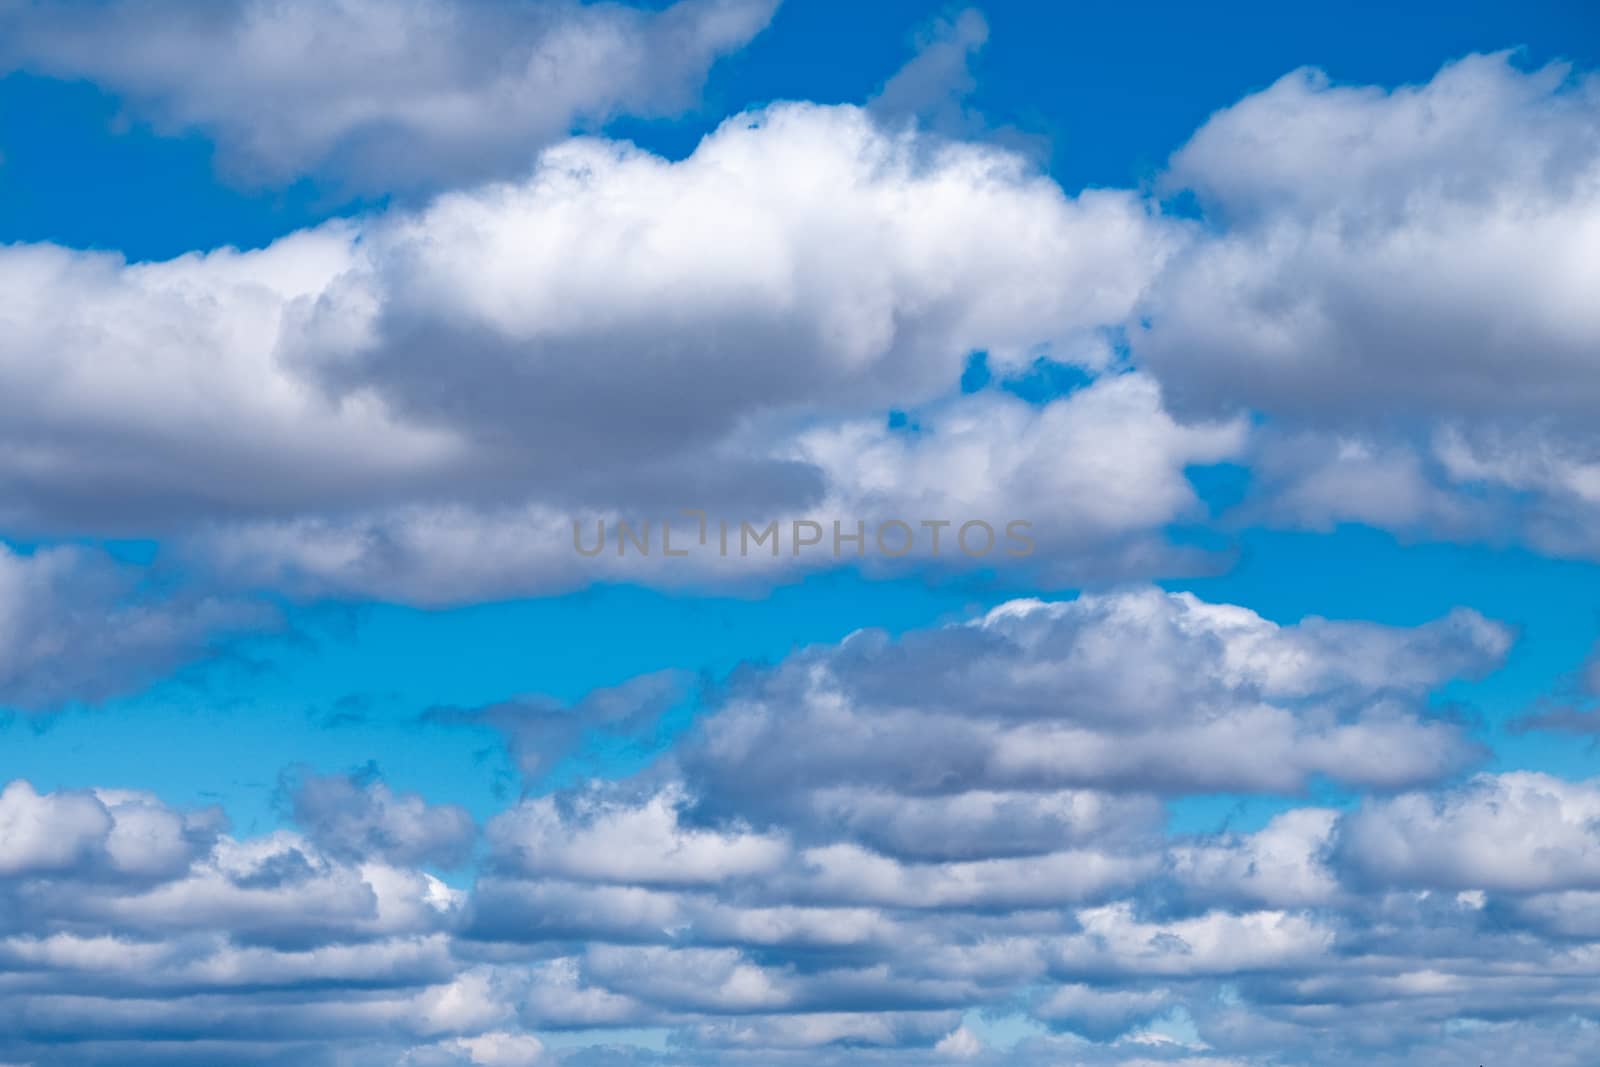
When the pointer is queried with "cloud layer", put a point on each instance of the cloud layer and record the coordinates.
(851, 854)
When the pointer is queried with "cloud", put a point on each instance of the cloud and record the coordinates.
(144, 396)
(358, 817)
(1138, 692)
(1514, 832)
(1398, 279)
(749, 937)
(1354, 296)
(1092, 478)
(128, 924)
(542, 731)
(1284, 864)
(48, 833)
(610, 359)
(933, 85)
(1101, 1012)
(811, 262)
(960, 1044)
(76, 625)
(1115, 941)
(602, 840)
(1315, 480)
(1571, 708)
(494, 1049)
(385, 96)
(1095, 474)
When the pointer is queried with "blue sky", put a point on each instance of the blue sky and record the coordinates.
(324, 322)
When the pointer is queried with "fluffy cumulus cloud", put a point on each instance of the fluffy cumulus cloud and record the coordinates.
(871, 851)
(420, 403)
(106, 832)
(1401, 278)
(1392, 250)
(1518, 832)
(1135, 692)
(626, 335)
(139, 394)
(385, 95)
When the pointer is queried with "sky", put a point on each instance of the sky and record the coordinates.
(1112, 491)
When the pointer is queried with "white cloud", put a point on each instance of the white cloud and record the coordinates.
(932, 86)
(628, 335)
(1281, 865)
(1115, 941)
(960, 1044)
(501, 1049)
(143, 396)
(1140, 691)
(106, 833)
(49, 832)
(1514, 832)
(604, 840)
(385, 94)
(802, 259)
(1400, 279)
(1421, 272)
